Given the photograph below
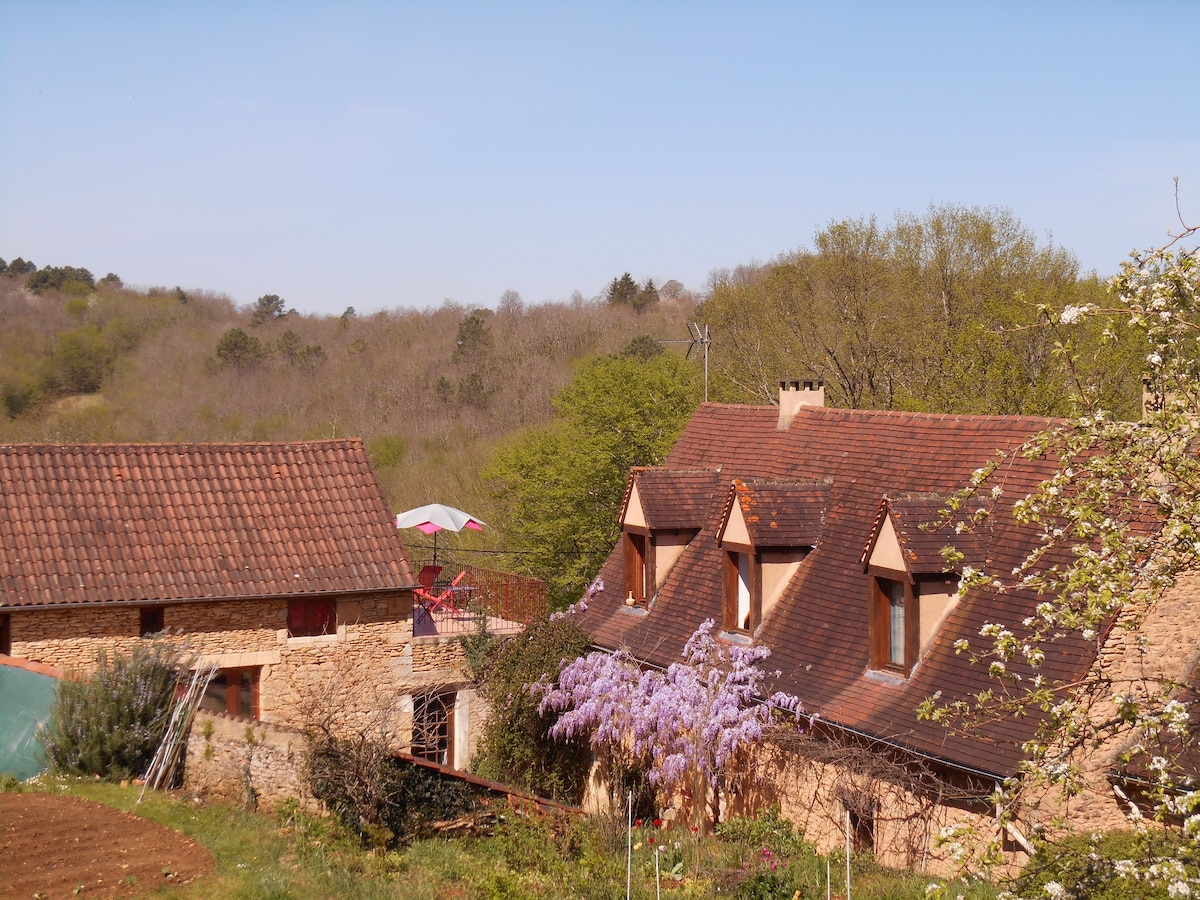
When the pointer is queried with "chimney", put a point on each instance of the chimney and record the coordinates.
(794, 394)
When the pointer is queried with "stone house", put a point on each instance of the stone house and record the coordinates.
(801, 528)
(279, 563)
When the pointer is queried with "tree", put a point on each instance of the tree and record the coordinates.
(560, 487)
(685, 726)
(268, 308)
(647, 297)
(67, 279)
(1119, 526)
(81, 359)
(20, 266)
(474, 336)
(937, 312)
(239, 350)
(622, 291)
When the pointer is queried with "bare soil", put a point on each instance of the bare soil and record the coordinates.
(52, 847)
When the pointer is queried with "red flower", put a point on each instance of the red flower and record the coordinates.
(658, 823)
(637, 823)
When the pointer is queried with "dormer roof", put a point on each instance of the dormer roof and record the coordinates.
(775, 513)
(665, 499)
(921, 530)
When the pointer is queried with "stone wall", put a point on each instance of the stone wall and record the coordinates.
(816, 791)
(244, 762)
(359, 680)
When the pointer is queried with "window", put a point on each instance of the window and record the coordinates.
(150, 620)
(743, 592)
(311, 617)
(862, 830)
(5, 634)
(893, 626)
(433, 728)
(639, 567)
(234, 691)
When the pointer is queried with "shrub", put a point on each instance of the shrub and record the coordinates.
(111, 723)
(384, 800)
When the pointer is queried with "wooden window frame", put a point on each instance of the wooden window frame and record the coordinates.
(151, 620)
(6, 634)
(732, 580)
(440, 727)
(879, 628)
(233, 697)
(639, 567)
(304, 619)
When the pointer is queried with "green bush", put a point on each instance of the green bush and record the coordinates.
(111, 723)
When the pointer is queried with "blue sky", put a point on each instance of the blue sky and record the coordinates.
(383, 155)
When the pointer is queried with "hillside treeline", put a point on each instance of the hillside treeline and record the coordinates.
(431, 391)
(529, 416)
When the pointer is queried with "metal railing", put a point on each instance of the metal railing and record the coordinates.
(503, 601)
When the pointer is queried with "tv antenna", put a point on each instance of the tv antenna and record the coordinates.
(697, 337)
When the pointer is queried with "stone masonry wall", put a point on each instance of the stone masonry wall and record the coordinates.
(1144, 660)
(242, 762)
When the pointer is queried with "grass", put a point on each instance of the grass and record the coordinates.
(294, 855)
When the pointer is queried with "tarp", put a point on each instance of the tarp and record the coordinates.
(25, 702)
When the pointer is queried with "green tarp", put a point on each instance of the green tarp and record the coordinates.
(25, 701)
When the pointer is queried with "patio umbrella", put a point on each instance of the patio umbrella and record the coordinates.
(435, 517)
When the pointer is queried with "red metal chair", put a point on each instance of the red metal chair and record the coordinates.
(429, 576)
(442, 598)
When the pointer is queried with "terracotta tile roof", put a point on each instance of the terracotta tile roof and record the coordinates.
(780, 513)
(99, 523)
(672, 499)
(818, 630)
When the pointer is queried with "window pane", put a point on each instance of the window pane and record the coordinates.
(215, 696)
(743, 589)
(895, 592)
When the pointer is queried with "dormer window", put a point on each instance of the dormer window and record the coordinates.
(909, 594)
(766, 531)
(743, 592)
(893, 627)
(639, 567)
(661, 513)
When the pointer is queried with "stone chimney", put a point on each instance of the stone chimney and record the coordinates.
(794, 394)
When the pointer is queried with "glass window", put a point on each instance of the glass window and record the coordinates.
(896, 633)
(433, 728)
(233, 691)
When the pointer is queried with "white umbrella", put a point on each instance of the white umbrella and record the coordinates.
(435, 517)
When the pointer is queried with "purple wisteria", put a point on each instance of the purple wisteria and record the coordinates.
(685, 724)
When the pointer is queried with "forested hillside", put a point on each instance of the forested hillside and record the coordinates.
(431, 391)
(530, 416)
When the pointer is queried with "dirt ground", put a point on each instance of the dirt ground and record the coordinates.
(52, 847)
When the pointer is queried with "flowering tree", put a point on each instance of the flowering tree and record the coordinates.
(1119, 524)
(686, 724)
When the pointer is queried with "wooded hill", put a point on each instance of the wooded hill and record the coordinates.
(956, 310)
